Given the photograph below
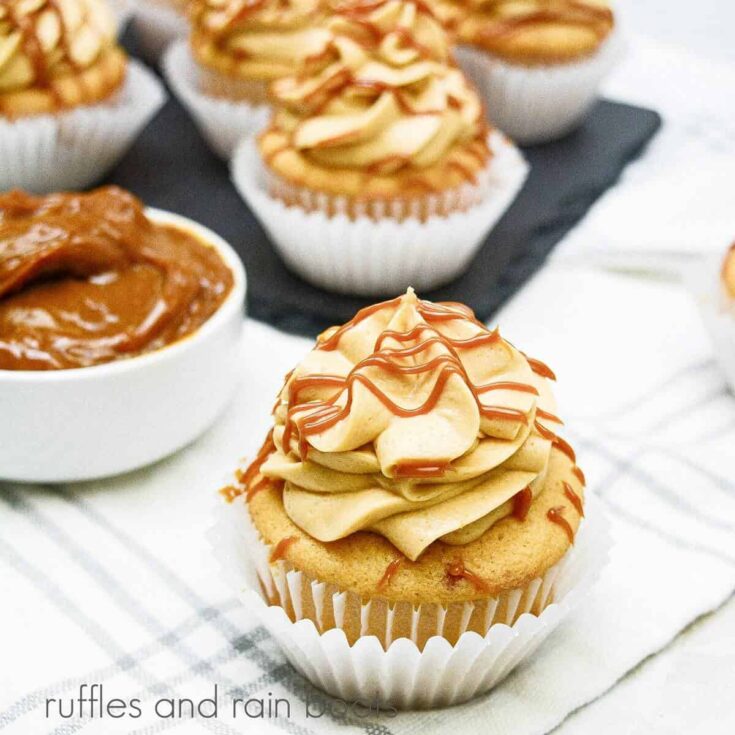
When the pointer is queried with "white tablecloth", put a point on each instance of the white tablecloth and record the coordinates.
(114, 583)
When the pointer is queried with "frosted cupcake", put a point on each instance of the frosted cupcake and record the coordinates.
(236, 49)
(538, 63)
(70, 101)
(383, 128)
(414, 492)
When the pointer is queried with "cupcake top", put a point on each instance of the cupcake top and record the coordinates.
(415, 422)
(530, 31)
(56, 54)
(385, 112)
(728, 272)
(256, 39)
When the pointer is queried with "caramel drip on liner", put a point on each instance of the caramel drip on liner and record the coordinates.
(456, 571)
(555, 515)
(390, 571)
(522, 503)
(574, 499)
(280, 549)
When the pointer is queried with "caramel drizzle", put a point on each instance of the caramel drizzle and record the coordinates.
(324, 414)
(579, 475)
(418, 468)
(456, 571)
(540, 368)
(546, 415)
(522, 503)
(565, 447)
(230, 492)
(27, 24)
(390, 571)
(280, 549)
(574, 499)
(555, 515)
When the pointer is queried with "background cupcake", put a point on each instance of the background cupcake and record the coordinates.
(712, 283)
(413, 489)
(378, 151)
(236, 49)
(70, 101)
(538, 64)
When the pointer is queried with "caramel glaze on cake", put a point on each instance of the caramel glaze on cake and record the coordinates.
(529, 32)
(57, 54)
(415, 459)
(383, 113)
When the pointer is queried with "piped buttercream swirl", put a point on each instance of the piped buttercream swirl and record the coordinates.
(387, 97)
(43, 41)
(413, 421)
(257, 39)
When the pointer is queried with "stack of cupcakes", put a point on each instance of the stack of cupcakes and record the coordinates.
(237, 47)
(378, 156)
(538, 63)
(410, 529)
(71, 102)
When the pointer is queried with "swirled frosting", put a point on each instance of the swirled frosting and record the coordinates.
(728, 272)
(413, 421)
(386, 98)
(44, 41)
(532, 31)
(257, 39)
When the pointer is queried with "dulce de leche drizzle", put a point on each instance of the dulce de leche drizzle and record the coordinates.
(280, 549)
(390, 571)
(87, 279)
(315, 417)
(522, 503)
(456, 571)
(573, 498)
(556, 515)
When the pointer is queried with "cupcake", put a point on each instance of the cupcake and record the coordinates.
(538, 64)
(378, 169)
(236, 49)
(70, 101)
(413, 496)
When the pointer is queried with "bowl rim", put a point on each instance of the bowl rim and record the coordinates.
(235, 301)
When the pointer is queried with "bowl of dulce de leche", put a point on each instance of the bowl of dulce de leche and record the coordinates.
(119, 333)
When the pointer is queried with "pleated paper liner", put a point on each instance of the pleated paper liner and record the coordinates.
(379, 248)
(75, 148)
(408, 657)
(222, 121)
(536, 104)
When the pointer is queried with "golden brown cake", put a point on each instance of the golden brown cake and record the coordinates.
(728, 272)
(247, 43)
(57, 54)
(414, 464)
(529, 32)
(384, 115)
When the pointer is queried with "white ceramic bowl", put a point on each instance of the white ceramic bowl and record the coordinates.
(80, 424)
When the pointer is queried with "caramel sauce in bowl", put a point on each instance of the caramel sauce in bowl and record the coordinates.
(67, 425)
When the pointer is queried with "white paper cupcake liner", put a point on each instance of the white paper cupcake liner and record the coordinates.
(221, 122)
(704, 280)
(396, 672)
(156, 26)
(74, 149)
(538, 104)
(362, 256)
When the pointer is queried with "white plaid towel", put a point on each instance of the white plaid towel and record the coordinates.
(113, 583)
